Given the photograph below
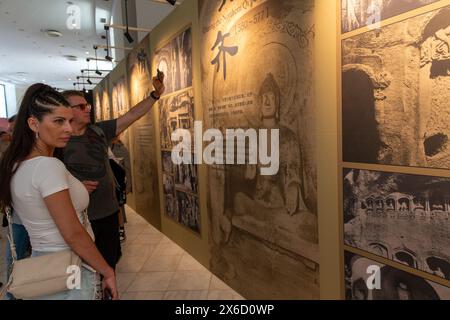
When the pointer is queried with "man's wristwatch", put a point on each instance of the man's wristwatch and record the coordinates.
(152, 94)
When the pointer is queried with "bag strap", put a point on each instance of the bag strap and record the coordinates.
(10, 234)
(12, 246)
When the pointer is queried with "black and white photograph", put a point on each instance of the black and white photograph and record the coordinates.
(119, 98)
(360, 13)
(175, 60)
(168, 184)
(395, 284)
(98, 104)
(139, 72)
(186, 177)
(188, 211)
(401, 217)
(167, 162)
(170, 204)
(106, 103)
(176, 112)
(395, 95)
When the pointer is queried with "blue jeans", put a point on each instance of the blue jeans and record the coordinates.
(22, 242)
(90, 286)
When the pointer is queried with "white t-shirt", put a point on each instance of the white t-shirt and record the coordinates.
(34, 180)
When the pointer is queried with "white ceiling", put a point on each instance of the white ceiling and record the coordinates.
(28, 56)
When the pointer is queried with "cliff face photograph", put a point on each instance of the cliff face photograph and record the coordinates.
(400, 217)
(395, 283)
(395, 93)
(360, 13)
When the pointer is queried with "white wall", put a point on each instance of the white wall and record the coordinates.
(117, 38)
(145, 14)
(20, 92)
(149, 14)
(11, 100)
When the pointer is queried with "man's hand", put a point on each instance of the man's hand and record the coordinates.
(158, 84)
(90, 185)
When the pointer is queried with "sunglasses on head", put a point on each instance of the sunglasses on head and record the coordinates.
(82, 106)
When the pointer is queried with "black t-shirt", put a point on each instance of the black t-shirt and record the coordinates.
(86, 157)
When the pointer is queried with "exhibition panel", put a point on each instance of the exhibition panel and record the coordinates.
(143, 138)
(395, 207)
(177, 111)
(257, 73)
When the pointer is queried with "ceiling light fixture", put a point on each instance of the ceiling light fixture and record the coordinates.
(89, 79)
(96, 64)
(52, 33)
(70, 57)
(108, 57)
(93, 70)
(127, 33)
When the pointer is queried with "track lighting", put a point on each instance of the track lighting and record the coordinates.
(108, 57)
(127, 33)
(128, 36)
(96, 64)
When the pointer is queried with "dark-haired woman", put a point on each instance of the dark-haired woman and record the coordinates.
(48, 199)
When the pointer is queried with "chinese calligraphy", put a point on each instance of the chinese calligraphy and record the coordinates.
(222, 50)
(142, 60)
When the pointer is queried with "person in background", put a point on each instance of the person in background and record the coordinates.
(20, 234)
(86, 157)
(47, 198)
(4, 142)
(122, 155)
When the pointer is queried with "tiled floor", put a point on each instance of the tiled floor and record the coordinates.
(155, 268)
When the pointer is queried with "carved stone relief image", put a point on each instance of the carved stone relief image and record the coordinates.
(106, 103)
(176, 112)
(401, 217)
(360, 13)
(395, 284)
(175, 60)
(98, 104)
(395, 92)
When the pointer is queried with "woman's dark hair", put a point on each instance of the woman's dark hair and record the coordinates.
(39, 100)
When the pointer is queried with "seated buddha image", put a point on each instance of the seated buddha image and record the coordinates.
(284, 191)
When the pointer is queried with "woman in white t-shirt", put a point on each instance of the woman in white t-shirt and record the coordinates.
(47, 198)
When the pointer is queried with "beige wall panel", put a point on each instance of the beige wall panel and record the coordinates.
(145, 174)
(180, 19)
